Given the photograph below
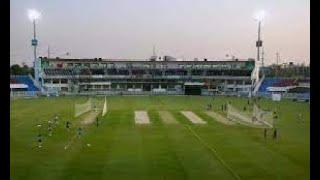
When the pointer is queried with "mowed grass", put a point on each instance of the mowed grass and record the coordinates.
(120, 149)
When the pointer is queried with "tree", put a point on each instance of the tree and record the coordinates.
(16, 69)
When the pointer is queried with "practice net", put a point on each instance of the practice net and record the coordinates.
(258, 117)
(105, 108)
(234, 114)
(262, 116)
(80, 109)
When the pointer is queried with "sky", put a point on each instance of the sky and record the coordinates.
(180, 28)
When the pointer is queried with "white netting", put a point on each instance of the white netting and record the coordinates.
(235, 114)
(82, 108)
(263, 116)
(258, 118)
(105, 108)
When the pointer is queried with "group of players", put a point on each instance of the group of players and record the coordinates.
(53, 123)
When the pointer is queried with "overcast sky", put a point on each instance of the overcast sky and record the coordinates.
(180, 28)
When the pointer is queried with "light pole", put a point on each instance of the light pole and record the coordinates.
(258, 16)
(259, 42)
(33, 16)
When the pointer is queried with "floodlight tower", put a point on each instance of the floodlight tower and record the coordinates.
(33, 16)
(259, 16)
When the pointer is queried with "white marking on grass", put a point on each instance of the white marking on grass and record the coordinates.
(167, 117)
(193, 117)
(141, 117)
(219, 118)
(214, 153)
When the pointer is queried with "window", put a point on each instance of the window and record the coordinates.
(64, 81)
(47, 80)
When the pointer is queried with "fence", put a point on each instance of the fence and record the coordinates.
(112, 93)
(294, 96)
(24, 93)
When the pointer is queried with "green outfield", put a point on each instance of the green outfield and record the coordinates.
(174, 148)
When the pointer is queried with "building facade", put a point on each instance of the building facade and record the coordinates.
(150, 75)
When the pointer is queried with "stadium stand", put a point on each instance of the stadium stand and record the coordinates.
(296, 89)
(285, 83)
(54, 72)
(268, 82)
(77, 76)
(24, 79)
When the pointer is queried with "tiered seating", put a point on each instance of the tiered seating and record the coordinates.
(138, 72)
(85, 72)
(111, 71)
(97, 71)
(123, 72)
(24, 80)
(62, 72)
(13, 81)
(214, 73)
(176, 72)
(268, 82)
(276, 82)
(285, 83)
(197, 72)
(304, 80)
(228, 73)
(156, 72)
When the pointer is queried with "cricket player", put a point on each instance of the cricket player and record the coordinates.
(300, 119)
(50, 129)
(68, 124)
(275, 133)
(97, 122)
(56, 118)
(39, 140)
(79, 132)
(265, 133)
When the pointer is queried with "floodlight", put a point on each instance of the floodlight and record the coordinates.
(260, 15)
(33, 14)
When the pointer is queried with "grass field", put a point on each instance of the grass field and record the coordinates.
(120, 149)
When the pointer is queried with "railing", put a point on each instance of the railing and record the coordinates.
(257, 87)
(302, 96)
(24, 93)
(112, 93)
(36, 84)
(222, 77)
(298, 96)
